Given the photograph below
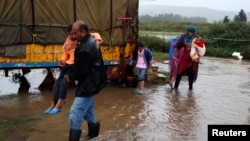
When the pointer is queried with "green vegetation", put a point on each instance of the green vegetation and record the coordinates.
(222, 38)
(160, 56)
(166, 26)
(155, 43)
(171, 17)
(13, 125)
(16, 77)
(10, 126)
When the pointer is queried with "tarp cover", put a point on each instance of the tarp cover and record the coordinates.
(46, 21)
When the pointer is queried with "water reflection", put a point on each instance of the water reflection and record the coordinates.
(183, 116)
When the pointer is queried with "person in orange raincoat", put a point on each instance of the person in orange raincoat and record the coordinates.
(60, 87)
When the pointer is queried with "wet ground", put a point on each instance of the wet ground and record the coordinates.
(221, 95)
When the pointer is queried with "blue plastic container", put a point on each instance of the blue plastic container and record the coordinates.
(171, 49)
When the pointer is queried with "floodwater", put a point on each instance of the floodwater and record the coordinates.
(221, 95)
(164, 35)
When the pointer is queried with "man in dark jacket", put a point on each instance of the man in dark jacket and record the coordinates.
(86, 56)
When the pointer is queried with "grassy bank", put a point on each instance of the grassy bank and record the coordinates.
(160, 56)
(165, 26)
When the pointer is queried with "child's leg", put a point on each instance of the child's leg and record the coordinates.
(172, 80)
(172, 68)
(168, 78)
(59, 104)
(63, 85)
(55, 92)
(55, 96)
(140, 78)
(141, 85)
(62, 93)
(174, 72)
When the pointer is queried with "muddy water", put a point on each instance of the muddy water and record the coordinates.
(221, 95)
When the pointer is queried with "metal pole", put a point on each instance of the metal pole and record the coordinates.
(111, 23)
(74, 8)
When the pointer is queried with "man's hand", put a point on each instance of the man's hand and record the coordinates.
(152, 61)
(61, 63)
(69, 47)
(66, 77)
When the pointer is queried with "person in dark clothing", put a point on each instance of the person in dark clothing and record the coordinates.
(87, 55)
(186, 66)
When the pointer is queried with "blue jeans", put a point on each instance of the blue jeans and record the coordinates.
(81, 109)
(141, 72)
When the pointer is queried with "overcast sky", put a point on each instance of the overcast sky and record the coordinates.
(224, 5)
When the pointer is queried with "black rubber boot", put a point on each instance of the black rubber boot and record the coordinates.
(74, 135)
(93, 129)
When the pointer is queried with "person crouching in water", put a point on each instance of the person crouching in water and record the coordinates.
(60, 87)
(142, 59)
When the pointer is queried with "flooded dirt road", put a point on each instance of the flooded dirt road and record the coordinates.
(221, 95)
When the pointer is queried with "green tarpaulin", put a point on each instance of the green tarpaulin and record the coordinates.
(48, 20)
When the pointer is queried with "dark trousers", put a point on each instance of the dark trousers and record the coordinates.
(60, 86)
(189, 71)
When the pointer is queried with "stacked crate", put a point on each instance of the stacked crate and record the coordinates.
(152, 73)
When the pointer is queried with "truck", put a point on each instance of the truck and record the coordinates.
(32, 32)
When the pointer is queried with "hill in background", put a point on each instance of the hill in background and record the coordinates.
(210, 14)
